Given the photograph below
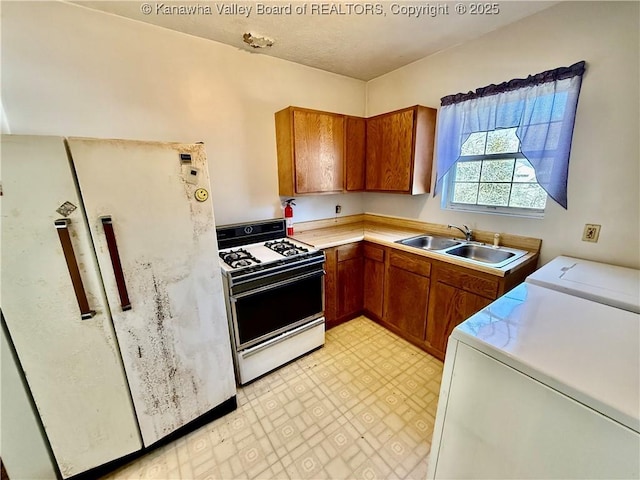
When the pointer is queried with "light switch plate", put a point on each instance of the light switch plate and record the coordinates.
(591, 233)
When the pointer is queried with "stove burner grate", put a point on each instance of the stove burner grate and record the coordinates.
(285, 248)
(238, 258)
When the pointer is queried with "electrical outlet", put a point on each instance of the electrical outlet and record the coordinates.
(591, 233)
(338, 209)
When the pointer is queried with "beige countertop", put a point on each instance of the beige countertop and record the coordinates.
(387, 230)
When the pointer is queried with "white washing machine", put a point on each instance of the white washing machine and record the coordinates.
(543, 383)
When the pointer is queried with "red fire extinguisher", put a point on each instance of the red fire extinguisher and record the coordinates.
(288, 215)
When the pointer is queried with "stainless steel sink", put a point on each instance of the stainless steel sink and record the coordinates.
(473, 252)
(493, 257)
(429, 242)
(481, 254)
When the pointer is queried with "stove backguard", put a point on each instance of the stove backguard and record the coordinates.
(235, 235)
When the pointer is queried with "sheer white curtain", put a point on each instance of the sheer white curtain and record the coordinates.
(542, 107)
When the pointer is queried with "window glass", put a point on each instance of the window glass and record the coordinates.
(524, 172)
(466, 193)
(502, 141)
(468, 171)
(497, 170)
(528, 195)
(495, 175)
(474, 144)
(494, 194)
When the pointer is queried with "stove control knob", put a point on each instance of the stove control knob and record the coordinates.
(201, 195)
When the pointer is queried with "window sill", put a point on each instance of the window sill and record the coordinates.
(536, 215)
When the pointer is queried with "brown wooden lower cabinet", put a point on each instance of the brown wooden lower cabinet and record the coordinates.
(420, 299)
(407, 295)
(330, 287)
(456, 294)
(374, 261)
(344, 289)
(350, 280)
(450, 307)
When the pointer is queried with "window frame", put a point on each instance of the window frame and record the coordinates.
(448, 187)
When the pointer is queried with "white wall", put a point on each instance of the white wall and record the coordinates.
(4, 121)
(70, 71)
(604, 175)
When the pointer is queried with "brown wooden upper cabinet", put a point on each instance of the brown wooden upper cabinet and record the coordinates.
(323, 152)
(310, 151)
(355, 153)
(399, 152)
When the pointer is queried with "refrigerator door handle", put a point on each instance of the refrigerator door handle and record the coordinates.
(107, 224)
(62, 226)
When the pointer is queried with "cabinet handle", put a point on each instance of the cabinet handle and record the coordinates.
(110, 235)
(62, 226)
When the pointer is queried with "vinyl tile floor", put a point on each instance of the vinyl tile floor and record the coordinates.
(361, 407)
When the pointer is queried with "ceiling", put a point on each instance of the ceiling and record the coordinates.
(342, 38)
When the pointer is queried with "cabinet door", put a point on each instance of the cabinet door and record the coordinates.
(450, 306)
(390, 151)
(330, 286)
(374, 280)
(406, 302)
(343, 287)
(350, 278)
(318, 141)
(355, 153)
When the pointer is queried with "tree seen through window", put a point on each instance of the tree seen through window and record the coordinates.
(492, 172)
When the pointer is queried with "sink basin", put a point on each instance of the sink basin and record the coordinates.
(429, 242)
(473, 252)
(486, 255)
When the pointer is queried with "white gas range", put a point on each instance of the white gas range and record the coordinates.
(274, 293)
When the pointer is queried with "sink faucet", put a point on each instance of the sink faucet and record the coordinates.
(468, 233)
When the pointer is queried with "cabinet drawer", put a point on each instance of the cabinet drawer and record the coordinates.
(347, 252)
(466, 281)
(412, 263)
(374, 253)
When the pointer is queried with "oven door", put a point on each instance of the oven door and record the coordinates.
(267, 310)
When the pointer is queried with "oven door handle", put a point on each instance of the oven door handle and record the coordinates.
(281, 338)
(235, 298)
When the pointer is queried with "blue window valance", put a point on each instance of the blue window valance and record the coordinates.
(542, 107)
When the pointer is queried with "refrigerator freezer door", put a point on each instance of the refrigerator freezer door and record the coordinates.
(174, 337)
(72, 366)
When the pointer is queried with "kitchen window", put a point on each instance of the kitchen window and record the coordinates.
(505, 148)
(492, 175)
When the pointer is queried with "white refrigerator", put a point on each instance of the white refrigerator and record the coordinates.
(111, 291)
